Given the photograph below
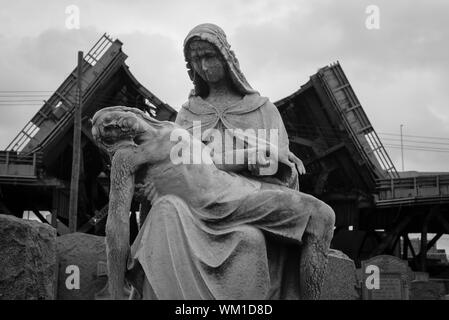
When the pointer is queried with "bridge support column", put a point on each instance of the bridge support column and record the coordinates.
(424, 245)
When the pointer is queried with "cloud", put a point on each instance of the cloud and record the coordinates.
(157, 62)
(43, 62)
(36, 63)
(399, 72)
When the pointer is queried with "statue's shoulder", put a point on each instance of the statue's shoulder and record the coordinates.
(185, 106)
(253, 102)
(268, 111)
(194, 104)
(256, 101)
(190, 101)
(185, 114)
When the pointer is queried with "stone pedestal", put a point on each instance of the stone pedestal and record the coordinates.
(340, 282)
(80, 251)
(28, 259)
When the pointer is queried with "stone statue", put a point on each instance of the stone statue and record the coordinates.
(217, 229)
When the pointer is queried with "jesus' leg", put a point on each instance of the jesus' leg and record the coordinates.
(316, 242)
(294, 216)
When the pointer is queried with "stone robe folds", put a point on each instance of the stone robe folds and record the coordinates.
(235, 247)
(252, 112)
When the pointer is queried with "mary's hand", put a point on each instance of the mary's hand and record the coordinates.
(297, 162)
(259, 164)
(147, 191)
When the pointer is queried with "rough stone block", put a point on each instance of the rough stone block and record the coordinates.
(28, 265)
(427, 290)
(83, 251)
(340, 281)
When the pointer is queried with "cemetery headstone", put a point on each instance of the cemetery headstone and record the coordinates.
(386, 277)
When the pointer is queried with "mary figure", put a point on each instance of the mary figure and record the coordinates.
(259, 237)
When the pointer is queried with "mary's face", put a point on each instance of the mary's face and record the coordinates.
(207, 61)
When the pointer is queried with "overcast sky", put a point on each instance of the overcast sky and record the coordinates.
(399, 72)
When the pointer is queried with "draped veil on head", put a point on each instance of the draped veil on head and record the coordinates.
(215, 35)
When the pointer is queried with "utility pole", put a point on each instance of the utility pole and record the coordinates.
(402, 149)
(76, 155)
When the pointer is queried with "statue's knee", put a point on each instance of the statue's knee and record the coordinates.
(327, 216)
(322, 220)
(253, 236)
(296, 200)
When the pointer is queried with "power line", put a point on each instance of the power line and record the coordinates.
(329, 133)
(20, 91)
(10, 97)
(100, 98)
(413, 136)
(417, 148)
(22, 95)
(33, 100)
(416, 141)
(335, 132)
(21, 104)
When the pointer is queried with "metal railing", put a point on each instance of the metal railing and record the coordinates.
(16, 165)
(366, 131)
(61, 101)
(94, 55)
(420, 186)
